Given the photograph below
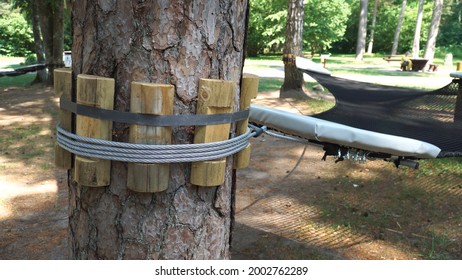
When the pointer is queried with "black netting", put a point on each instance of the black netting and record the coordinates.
(431, 116)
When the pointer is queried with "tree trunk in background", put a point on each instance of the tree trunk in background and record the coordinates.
(394, 48)
(362, 31)
(433, 31)
(58, 37)
(168, 42)
(293, 46)
(418, 27)
(51, 20)
(374, 20)
(38, 43)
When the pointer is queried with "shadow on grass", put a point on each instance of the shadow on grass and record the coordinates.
(33, 198)
(371, 211)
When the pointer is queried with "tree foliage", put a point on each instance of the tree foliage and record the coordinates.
(451, 24)
(16, 30)
(324, 23)
(332, 25)
(16, 38)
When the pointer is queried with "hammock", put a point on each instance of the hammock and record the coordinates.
(434, 117)
(21, 71)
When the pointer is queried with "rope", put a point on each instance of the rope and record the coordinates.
(145, 153)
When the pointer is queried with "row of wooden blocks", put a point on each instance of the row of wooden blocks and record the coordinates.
(214, 97)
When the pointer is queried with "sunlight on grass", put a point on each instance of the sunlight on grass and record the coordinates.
(269, 84)
(18, 81)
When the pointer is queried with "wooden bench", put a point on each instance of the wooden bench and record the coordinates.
(433, 68)
(395, 57)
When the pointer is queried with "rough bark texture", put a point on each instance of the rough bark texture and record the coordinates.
(418, 27)
(293, 78)
(171, 42)
(362, 31)
(433, 31)
(394, 48)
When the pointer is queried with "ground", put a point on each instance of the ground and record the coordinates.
(319, 210)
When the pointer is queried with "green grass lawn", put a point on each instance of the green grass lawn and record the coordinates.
(18, 81)
(373, 69)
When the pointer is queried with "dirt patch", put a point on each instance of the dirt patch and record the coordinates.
(320, 210)
(345, 210)
(33, 195)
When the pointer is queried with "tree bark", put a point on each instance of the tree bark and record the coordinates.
(51, 21)
(362, 31)
(433, 31)
(57, 38)
(38, 43)
(394, 48)
(418, 27)
(168, 42)
(293, 46)
(374, 20)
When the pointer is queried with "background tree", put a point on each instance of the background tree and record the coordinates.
(433, 31)
(38, 42)
(450, 30)
(16, 37)
(374, 21)
(418, 27)
(168, 42)
(394, 48)
(47, 21)
(293, 46)
(325, 22)
(266, 25)
(362, 30)
(51, 20)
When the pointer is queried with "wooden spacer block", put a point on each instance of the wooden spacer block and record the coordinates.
(97, 92)
(150, 99)
(63, 87)
(214, 97)
(249, 90)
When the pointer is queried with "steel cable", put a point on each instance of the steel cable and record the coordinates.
(146, 153)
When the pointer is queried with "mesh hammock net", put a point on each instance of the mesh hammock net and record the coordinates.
(430, 116)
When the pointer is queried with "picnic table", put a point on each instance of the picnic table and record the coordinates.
(418, 64)
(393, 57)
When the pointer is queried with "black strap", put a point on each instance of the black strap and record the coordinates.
(149, 119)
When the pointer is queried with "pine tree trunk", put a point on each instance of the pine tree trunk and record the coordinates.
(394, 48)
(433, 31)
(293, 46)
(418, 27)
(168, 42)
(57, 38)
(374, 20)
(362, 31)
(38, 43)
(51, 17)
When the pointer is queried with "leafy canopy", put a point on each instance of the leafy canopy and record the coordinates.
(324, 23)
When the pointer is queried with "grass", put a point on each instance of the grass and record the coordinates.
(393, 205)
(440, 167)
(269, 84)
(372, 65)
(18, 81)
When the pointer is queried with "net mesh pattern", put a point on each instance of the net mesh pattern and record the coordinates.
(430, 116)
